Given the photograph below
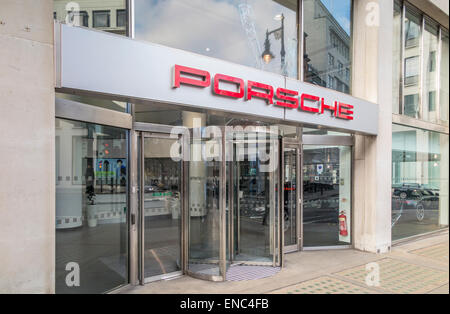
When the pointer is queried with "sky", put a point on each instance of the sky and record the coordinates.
(340, 9)
(216, 28)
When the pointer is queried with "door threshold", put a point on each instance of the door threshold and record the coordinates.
(165, 277)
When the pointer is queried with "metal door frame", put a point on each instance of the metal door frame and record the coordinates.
(141, 132)
(331, 140)
(294, 144)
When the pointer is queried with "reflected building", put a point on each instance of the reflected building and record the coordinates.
(178, 138)
(326, 48)
(110, 16)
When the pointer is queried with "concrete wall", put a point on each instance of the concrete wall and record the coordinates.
(437, 9)
(441, 4)
(27, 158)
(372, 80)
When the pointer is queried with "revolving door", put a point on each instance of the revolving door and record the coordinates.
(234, 203)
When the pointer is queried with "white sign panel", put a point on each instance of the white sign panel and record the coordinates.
(109, 64)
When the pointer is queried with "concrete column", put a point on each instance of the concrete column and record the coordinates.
(27, 159)
(372, 80)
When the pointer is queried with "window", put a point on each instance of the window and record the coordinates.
(423, 54)
(340, 68)
(419, 181)
(412, 70)
(327, 36)
(444, 84)
(80, 13)
(412, 29)
(430, 75)
(330, 60)
(432, 62)
(81, 19)
(327, 182)
(121, 18)
(232, 30)
(432, 101)
(330, 83)
(412, 105)
(101, 18)
(91, 206)
(396, 60)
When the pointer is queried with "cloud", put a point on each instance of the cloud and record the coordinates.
(212, 27)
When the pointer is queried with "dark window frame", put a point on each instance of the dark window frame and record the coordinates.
(124, 11)
(85, 15)
(99, 12)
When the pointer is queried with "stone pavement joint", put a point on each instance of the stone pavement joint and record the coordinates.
(324, 285)
(437, 252)
(400, 277)
(419, 266)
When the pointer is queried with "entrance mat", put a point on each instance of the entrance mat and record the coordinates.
(400, 277)
(245, 272)
(323, 285)
(437, 252)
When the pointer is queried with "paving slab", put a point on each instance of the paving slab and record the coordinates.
(416, 266)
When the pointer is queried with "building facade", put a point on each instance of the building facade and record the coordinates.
(146, 140)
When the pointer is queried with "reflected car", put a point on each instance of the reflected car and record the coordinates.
(413, 200)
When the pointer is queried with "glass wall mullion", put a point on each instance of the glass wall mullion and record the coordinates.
(402, 61)
(301, 50)
(422, 67)
(438, 76)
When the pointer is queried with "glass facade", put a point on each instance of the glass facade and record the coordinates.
(97, 102)
(256, 33)
(92, 160)
(419, 181)
(411, 61)
(420, 91)
(420, 83)
(91, 207)
(327, 43)
(443, 80)
(109, 16)
(396, 60)
(430, 72)
(327, 199)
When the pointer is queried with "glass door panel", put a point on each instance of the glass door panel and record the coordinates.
(255, 199)
(204, 211)
(162, 193)
(326, 195)
(291, 198)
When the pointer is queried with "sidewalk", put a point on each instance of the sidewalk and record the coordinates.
(420, 266)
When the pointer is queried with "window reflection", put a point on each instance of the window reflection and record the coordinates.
(396, 60)
(256, 33)
(412, 63)
(327, 42)
(91, 206)
(108, 15)
(419, 181)
(444, 84)
(430, 49)
(326, 195)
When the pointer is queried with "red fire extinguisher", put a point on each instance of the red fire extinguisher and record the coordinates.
(343, 224)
